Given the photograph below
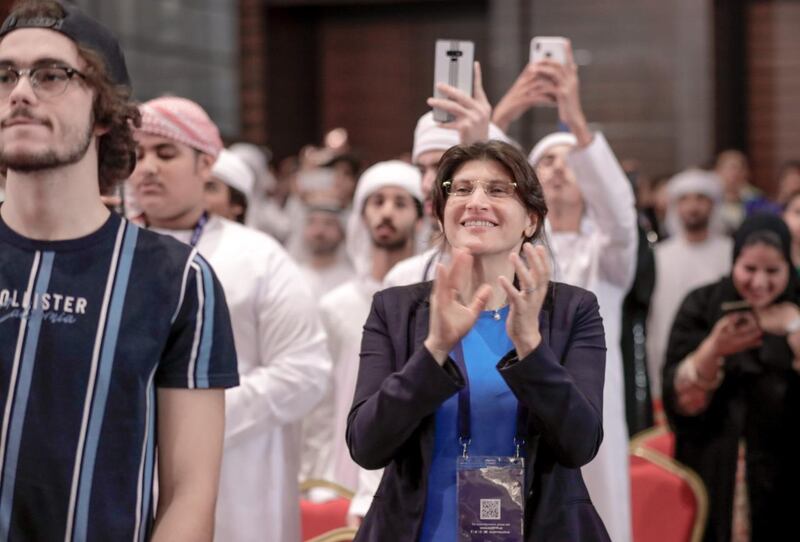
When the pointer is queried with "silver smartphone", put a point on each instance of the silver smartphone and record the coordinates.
(453, 66)
(549, 48)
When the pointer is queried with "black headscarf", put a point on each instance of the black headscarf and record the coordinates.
(762, 222)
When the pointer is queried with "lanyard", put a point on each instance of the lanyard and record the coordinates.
(464, 425)
(198, 229)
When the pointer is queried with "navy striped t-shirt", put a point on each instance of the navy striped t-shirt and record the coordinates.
(89, 328)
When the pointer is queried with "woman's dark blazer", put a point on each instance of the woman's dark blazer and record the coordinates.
(400, 387)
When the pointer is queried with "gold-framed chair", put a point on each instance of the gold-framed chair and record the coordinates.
(342, 534)
(659, 438)
(659, 489)
(322, 518)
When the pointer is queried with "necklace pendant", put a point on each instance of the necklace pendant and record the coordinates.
(496, 315)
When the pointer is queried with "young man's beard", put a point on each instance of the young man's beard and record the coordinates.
(28, 163)
(393, 245)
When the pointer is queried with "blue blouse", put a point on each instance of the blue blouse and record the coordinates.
(493, 422)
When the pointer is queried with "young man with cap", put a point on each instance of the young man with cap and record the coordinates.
(112, 339)
(591, 224)
(229, 188)
(283, 365)
(693, 256)
(387, 209)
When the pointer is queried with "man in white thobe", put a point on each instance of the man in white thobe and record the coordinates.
(324, 263)
(693, 256)
(283, 363)
(387, 209)
(592, 231)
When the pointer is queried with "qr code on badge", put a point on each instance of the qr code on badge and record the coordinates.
(490, 509)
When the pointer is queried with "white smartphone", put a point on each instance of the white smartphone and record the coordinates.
(549, 48)
(453, 65)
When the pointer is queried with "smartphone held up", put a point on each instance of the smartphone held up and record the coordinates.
(453, 66)
(549, 48)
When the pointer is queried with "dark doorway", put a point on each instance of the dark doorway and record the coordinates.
(368, 68)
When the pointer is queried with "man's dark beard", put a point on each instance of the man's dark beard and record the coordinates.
(390, 245)
(696, 225)
(26, 163)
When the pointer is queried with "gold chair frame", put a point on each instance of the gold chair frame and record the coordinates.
(684, 473)
(638, 440)
(342, 534)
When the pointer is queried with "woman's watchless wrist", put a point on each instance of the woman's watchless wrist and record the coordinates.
(528, 345)
(438, 352)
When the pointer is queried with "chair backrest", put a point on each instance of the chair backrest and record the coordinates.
(658, 438)
(343, 534)
(669, 501)
(318, 518)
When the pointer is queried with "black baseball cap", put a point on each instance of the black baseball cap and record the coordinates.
(84, 31)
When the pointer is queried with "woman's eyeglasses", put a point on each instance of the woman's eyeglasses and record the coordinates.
(492, 188)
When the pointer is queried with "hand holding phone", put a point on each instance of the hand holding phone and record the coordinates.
(471, 112)
(736, 331)
(556, 75)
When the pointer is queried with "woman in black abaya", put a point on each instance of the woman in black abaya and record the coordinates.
(731, 380)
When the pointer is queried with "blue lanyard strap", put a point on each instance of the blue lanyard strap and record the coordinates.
(198, 229)
(464, 422)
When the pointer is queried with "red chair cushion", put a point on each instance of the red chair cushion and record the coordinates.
(318, 518)
(664, 505)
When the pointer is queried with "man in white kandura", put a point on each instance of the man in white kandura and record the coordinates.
(591, 225)
(283, 365)
(695, 255)
(380, 232)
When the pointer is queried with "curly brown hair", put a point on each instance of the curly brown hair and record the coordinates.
(529, 189)
(113, 108)
(116, 112)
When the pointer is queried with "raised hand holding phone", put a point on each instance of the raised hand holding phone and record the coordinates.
(464, 106)
(546, 81)
(735, 332)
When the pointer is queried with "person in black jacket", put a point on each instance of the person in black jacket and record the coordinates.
(531, 352)
(731, 380)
